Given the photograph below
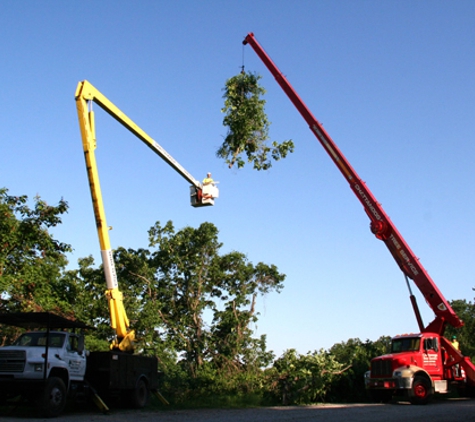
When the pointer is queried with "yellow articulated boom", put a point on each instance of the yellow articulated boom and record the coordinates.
(201, 195)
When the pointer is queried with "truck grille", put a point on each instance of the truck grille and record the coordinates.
(381, 368)
(12, 361)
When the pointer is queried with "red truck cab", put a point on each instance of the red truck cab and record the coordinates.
(418, 366)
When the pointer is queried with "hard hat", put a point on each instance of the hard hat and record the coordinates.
(454, 337)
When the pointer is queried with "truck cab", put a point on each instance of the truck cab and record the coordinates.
(26, 357)
(417, 366)
(46, 366)
(46, 363)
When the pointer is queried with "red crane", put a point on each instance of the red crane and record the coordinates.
(419, 364)
(381, 225)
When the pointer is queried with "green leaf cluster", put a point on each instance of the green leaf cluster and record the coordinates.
(187, 302)
(304, 379)
(31, 259)
(466, 312)
(334, 375)
(248, 125)
(356, 355)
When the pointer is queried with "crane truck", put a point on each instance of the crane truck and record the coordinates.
(119, 364)
(418, 365)
(48, 364)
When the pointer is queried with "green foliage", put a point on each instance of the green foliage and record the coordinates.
(466, 312)
(248, 126)
(86, 286)
(212, 388)
(356, 356)
(193, 279)
(169, 288)
(304, 379)
(31, 260)
(192, 308)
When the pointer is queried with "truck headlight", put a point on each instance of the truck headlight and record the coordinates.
(38, 367)
(397, 374)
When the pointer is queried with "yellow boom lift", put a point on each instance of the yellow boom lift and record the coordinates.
(201, 195)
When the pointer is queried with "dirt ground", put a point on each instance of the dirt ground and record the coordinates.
(440, 411)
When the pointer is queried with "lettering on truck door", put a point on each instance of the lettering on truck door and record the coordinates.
(431, 356)
(76, 361)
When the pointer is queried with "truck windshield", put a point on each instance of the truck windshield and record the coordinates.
(39, 339)
(408, 344)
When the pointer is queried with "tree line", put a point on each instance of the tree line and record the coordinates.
(190, 306)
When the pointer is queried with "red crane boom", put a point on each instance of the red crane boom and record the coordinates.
(381, 225)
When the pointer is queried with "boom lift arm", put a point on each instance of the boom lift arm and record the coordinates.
(85, 95)
(380, 225)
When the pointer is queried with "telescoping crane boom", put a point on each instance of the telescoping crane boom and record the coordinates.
(432, 363)
(86, 94)
(381, 225)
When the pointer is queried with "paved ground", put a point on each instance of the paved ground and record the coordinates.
(443, 411)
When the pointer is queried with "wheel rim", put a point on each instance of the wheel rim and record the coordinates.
(420, 391)
(56, 396)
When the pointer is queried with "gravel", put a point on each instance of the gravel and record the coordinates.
(440, 411)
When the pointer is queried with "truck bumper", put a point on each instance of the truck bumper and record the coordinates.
(388, 383)
(10, 387)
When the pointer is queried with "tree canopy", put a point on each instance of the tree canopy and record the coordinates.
(185, 300)
(466, 312)
(31, 259)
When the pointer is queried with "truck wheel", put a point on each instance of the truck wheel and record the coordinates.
(140, 394)
(53, 398)
(421, 391)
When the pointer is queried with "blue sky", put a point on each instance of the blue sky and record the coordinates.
(391, 81)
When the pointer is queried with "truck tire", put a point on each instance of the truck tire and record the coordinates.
(140, 394)
(421, 391)
(53, 398)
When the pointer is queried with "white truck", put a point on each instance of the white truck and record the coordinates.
(47, 366)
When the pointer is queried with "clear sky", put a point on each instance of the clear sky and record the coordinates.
(391, 81)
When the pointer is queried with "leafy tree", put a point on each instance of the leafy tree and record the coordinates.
(356, 356)
(86, 286)
(192, 279)
(241, 283)
(136, 281)
(466, 312)
(183, 265)
(184, 300)
(248, 126)
(31, 259)
(144, 302)
(304, 379)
